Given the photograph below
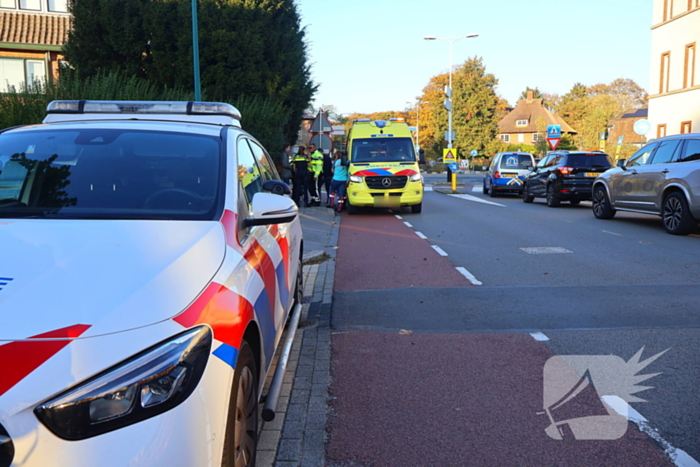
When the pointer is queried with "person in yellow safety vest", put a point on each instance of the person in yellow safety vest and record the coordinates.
(316, 169)
(300, 164)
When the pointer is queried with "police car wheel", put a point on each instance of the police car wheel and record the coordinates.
(240, 443)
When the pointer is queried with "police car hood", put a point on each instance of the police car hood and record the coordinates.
(109, 276)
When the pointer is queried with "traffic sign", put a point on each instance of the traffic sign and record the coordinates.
(553, 136)
(322, 141)
(642, 127)
(321, 124)
(449, 155)
(474, 152)
(553, 131)
(553, 142)
(453, 166)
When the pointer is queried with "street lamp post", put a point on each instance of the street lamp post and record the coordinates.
(417, 115)
(450, 136)
(449, 111)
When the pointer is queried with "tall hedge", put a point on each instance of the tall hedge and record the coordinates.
(250, 51)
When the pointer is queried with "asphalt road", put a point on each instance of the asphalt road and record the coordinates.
(422, 367)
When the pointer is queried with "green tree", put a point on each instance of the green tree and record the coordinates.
(249, 49)
(474, 103)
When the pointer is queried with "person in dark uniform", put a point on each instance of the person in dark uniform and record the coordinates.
(327, 176)
(300, 163)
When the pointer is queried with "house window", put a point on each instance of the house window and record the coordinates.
(536, 137)
(30, 5)
(7, 4)
(686, 127)
(505, 138)
(521, 123)
(689, 67)
(58, 6)
(661, 130)
(665, 70)
(668, 9)
(16, 72)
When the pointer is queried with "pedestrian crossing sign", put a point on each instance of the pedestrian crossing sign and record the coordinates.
(449, 155)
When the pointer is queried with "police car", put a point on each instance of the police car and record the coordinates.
(149, 261)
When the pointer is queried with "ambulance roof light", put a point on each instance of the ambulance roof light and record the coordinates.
(362, 120)
(380, 123)
(397, 119)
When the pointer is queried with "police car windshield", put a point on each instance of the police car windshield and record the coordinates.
(108, 174)
(382, 149)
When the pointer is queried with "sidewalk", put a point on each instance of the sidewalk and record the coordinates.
(296, 437)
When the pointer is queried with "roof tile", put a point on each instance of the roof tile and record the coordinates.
(34, 28)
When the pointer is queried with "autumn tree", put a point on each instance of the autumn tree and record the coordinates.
(476, 110)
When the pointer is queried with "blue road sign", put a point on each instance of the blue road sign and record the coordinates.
(453, 166)
(553, 131)
(474, 152)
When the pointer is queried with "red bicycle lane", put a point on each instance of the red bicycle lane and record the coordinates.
(416, 397)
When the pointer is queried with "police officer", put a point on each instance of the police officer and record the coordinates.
(316, 169)
(300, 163)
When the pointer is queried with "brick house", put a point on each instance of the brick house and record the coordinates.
(32, 34)
(623, 125)
(527, 122)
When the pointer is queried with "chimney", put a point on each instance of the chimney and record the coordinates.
(529, 95)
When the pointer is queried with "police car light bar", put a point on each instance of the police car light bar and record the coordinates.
(143, 107)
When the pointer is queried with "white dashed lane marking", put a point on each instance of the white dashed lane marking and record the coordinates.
(408, 225)
(421, 235)
(539, 336)
(440, 251)
(476, 200)
(470, 277)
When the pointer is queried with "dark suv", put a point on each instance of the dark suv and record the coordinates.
(565, 176)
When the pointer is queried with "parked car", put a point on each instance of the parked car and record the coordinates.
(565, 176)
(662, 178)
(149, 260)
(507, 172)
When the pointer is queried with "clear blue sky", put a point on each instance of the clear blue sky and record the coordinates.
(369, 55)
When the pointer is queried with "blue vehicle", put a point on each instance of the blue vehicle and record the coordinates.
(507, 173)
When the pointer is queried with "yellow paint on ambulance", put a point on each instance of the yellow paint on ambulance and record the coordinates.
(383, 167)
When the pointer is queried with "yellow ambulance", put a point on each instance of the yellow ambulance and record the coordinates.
(383, 167)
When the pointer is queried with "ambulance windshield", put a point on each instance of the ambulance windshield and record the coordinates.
(386, 149)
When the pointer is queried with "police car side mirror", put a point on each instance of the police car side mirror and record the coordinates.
(268, 209)
(277, 187)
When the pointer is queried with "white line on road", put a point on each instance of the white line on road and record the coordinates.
(427, 188)
(421, 235)
(612, 233)
(470, 277)
(539, 336)
(407, 224)
(678, 456)
(479, 189)
(478, 200)
(439, 250)
(398, 217)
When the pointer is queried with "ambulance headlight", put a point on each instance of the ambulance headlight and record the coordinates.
(355, 179)
(416, 178)
(147, 384)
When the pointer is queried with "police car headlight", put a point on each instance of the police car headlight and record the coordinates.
(416, 178)
(148, 384)
(355, 179)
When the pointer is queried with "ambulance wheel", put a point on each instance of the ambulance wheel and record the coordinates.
(351, 209)
(240, 443)
(417, 208)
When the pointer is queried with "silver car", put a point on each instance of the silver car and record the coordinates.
(662, 178)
